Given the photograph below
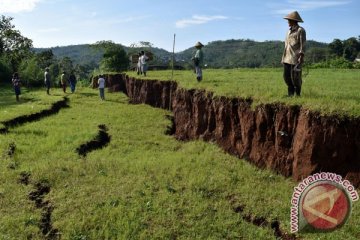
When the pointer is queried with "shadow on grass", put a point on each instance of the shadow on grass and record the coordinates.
(123, 101)
(88, 94)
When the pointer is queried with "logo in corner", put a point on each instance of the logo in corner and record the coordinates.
(321, 203)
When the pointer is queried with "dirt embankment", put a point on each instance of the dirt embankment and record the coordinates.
(290, 140)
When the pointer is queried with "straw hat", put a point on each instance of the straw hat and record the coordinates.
(199, 44)
(295, 16)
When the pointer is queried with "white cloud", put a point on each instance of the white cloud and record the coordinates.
(15, 6)
(298, 5)
(196, 19)
(47, 30)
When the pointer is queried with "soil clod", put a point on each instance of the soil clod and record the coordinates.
(24, 178)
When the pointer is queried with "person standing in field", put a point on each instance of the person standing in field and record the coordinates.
(138, 65)
(16, 83)
(198, 60)
(47, 80)
(63, 81)
(101, 83)
(72, 81)
(293, 55)
(143, 61)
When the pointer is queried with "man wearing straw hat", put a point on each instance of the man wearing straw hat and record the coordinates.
(198, 60)
(293, 55)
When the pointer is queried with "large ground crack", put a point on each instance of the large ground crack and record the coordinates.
(37, 195)
(55, 108)
(100, 141)
(259, 220)
(9, 153)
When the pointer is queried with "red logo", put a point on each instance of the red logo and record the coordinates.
(325, 206)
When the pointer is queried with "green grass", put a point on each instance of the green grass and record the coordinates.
(143, 185)
(329, 91)
(30, 102)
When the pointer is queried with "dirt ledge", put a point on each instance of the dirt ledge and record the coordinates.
(290, 140)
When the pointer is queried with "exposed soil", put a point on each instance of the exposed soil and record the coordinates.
(290, 140)
(24, 178)
(10, 151)
(37, 195)
(101, 140)
(55, 108)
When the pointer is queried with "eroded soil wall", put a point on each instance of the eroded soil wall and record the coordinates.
(290, 140)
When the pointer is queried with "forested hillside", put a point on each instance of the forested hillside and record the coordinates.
(218, 54)
(79, 54)
(246, 53)
(85, 55)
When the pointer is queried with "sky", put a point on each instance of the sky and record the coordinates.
(51, 23)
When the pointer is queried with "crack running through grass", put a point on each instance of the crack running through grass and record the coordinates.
(55, 108)
(260, 221)
(37, 195)
(101, 140)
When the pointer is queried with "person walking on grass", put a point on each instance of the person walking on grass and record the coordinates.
(198, 60)
(16, 84)
(101, 83)
(293, 55)
(63, 81)
(47, 80)
(72, 81)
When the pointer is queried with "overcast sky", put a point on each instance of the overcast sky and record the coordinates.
(51, 23)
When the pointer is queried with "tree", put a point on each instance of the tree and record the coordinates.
(45, 58)
(31, 73)
(317, 54)
(66, 64)
(336, 47)
(5, 70)
(13, 45)
(114, 57)
(351, 48)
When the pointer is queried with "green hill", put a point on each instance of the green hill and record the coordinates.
(218, 54)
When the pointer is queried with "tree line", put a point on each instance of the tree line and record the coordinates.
(17, 54)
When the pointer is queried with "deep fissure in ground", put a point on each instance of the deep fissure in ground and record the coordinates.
(101, 140)
(18, 121)
(290, 140)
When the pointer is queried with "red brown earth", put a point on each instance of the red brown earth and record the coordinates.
(290, 140)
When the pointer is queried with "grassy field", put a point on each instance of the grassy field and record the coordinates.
(330, 91)
(143, 185)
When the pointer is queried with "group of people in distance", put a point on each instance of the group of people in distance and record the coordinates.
(16, 82)
(292, 60)
(64, 80)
